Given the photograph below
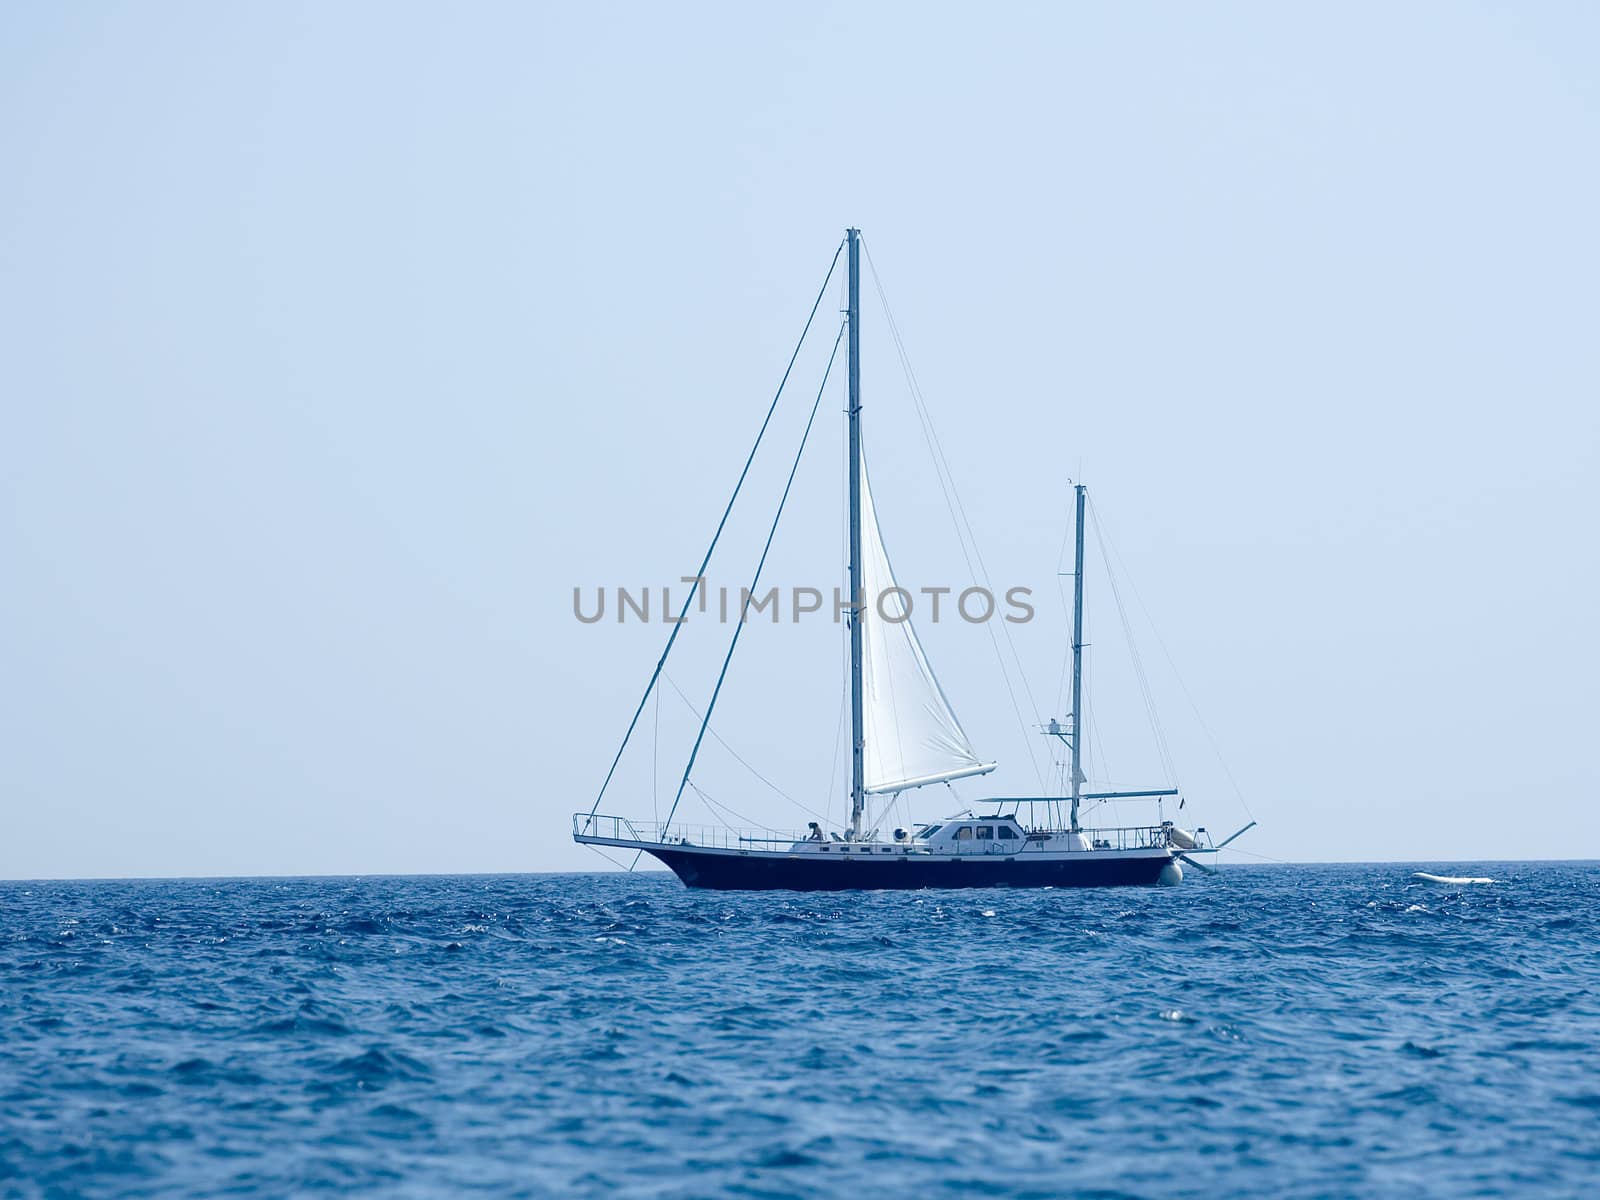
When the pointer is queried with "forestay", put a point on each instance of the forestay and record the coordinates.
(911, 733)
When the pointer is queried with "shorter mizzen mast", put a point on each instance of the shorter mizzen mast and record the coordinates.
(1073, 737)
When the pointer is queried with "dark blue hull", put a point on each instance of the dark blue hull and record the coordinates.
(812, 873)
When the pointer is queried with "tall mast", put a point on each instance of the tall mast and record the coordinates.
(1077, 666)
(858, 791)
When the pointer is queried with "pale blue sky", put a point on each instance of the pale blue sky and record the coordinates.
(339, 342)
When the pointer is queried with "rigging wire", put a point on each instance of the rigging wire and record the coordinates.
(1101, 761)
(953, 503)
(1187, 695)
(844, 778)
(1162, 749)
(655, 764)
(838, 742)
(719, 807)
(1282, 862)
(942, 472)
(614, 862)
(1066, 608)
(706, 561)
(689, 704)
(756, 579)
(888, 676)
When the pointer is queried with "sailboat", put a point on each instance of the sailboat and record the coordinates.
(905, 736)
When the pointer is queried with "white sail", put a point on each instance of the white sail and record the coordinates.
(912, 735)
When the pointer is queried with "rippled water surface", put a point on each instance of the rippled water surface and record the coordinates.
(1274, 1031)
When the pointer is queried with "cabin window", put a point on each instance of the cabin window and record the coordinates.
(986, 833)
(930, 831)
(964, 834)
(1006, 832)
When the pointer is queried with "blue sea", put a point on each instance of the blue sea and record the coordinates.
(1273, 1031)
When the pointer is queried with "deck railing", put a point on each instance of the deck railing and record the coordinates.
(718, 837)
(1129, 837)
(722, 837)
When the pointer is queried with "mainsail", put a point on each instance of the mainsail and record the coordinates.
(912, 735)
